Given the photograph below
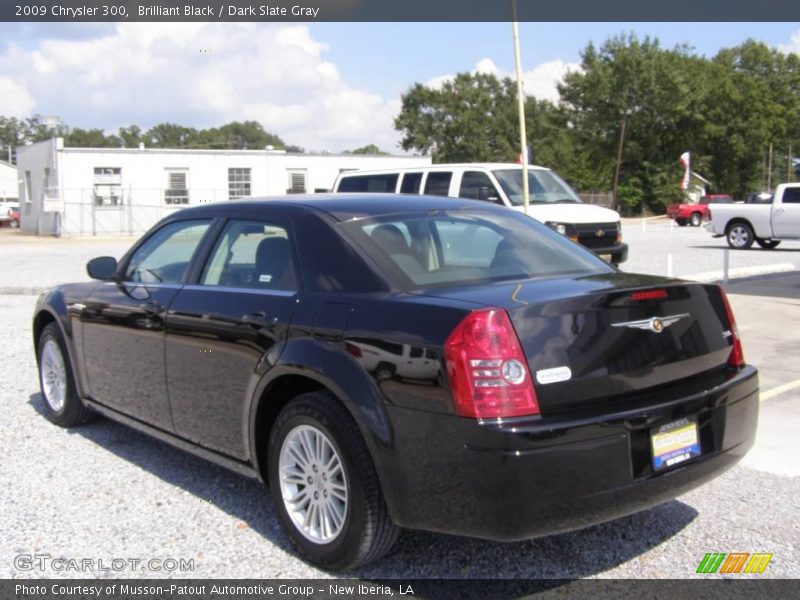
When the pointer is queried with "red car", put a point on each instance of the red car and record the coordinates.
(14, 214)
(693, 214)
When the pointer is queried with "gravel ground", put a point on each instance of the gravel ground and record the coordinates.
(104, 491)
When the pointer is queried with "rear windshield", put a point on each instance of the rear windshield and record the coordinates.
(421, 250)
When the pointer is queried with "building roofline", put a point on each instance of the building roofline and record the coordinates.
(226, 152)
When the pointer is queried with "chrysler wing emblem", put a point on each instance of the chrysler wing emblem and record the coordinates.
(654, 324)
(600, 233)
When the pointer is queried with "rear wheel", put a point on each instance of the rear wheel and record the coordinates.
(681, 222)
(767, 244)
(740, 236)
(695, 219)
(62, 405)
(325, 486)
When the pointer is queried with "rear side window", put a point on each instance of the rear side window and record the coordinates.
(369, 183)
(411, 183)
(791, 196)
(451, 247)
(251, 254)
(438, 183)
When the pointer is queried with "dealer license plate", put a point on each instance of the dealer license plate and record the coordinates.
(674, 443)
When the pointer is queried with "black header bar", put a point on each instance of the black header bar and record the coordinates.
(283, 11)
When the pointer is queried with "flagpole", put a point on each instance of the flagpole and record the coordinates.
(520, 107)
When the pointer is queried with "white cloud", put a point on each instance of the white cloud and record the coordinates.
(15, 98)
(793, 45)
(201, 75)
(540, 82)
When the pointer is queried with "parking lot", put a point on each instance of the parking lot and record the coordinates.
(106, 492)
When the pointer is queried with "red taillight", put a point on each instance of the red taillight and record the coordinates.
(736, 358)
(353, 349)
(649, 295)
(488, 374)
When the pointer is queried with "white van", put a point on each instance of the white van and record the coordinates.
(552, 201)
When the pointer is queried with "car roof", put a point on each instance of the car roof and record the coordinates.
(440, 167)
(342, 207)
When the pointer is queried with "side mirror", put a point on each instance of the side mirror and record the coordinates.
(487, 193)
(103, 268)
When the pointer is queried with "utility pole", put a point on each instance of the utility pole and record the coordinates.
(520, 108)
(619, 164)
(789, 165)
(769, 169)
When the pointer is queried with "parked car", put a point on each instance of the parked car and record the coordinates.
(764, 223)
(565, 393)
(9, 213)
(692, 214)
(552, 201)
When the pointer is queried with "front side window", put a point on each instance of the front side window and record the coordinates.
(478, 186)
(238, 183)
(165, 255)
(543, 187)
(251, 254)
(464, 247)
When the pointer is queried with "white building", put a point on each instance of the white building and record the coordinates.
(9, 186)
(106, 191)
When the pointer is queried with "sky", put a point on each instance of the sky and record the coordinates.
(321, 86)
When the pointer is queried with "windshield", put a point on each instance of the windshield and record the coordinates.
(421, 250)
(543, 186)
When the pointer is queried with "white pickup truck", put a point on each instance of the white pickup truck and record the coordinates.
(766, 224)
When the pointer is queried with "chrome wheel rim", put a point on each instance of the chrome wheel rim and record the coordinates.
(739, 236)
(54, 375)
(313, 484)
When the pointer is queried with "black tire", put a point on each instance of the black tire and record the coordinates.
(740, 235)
(696, 219)
(65, 410)
(681, 222)
(767, 244)
(384, 371)
(367, 532)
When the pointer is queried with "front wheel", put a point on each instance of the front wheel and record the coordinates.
(681, 222)
(325, 486)
(695, 219)
(767, 244)
(740, 236)
(62, 405)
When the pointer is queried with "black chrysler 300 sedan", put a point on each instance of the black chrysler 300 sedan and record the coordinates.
(404, 361)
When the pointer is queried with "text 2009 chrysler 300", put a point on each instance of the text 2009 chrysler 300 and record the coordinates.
(389, 361)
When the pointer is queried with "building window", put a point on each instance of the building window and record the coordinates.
(238, 183)
(28, 197)
(177, 190)
(297, 182)
(107, 186)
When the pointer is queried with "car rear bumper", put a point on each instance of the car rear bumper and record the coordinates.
(531, 477)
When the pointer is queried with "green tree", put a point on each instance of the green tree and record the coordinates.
(89, 138)
(470, 119)
(368, 149)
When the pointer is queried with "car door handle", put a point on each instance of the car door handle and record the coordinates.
(259, 319)
(152, 308)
